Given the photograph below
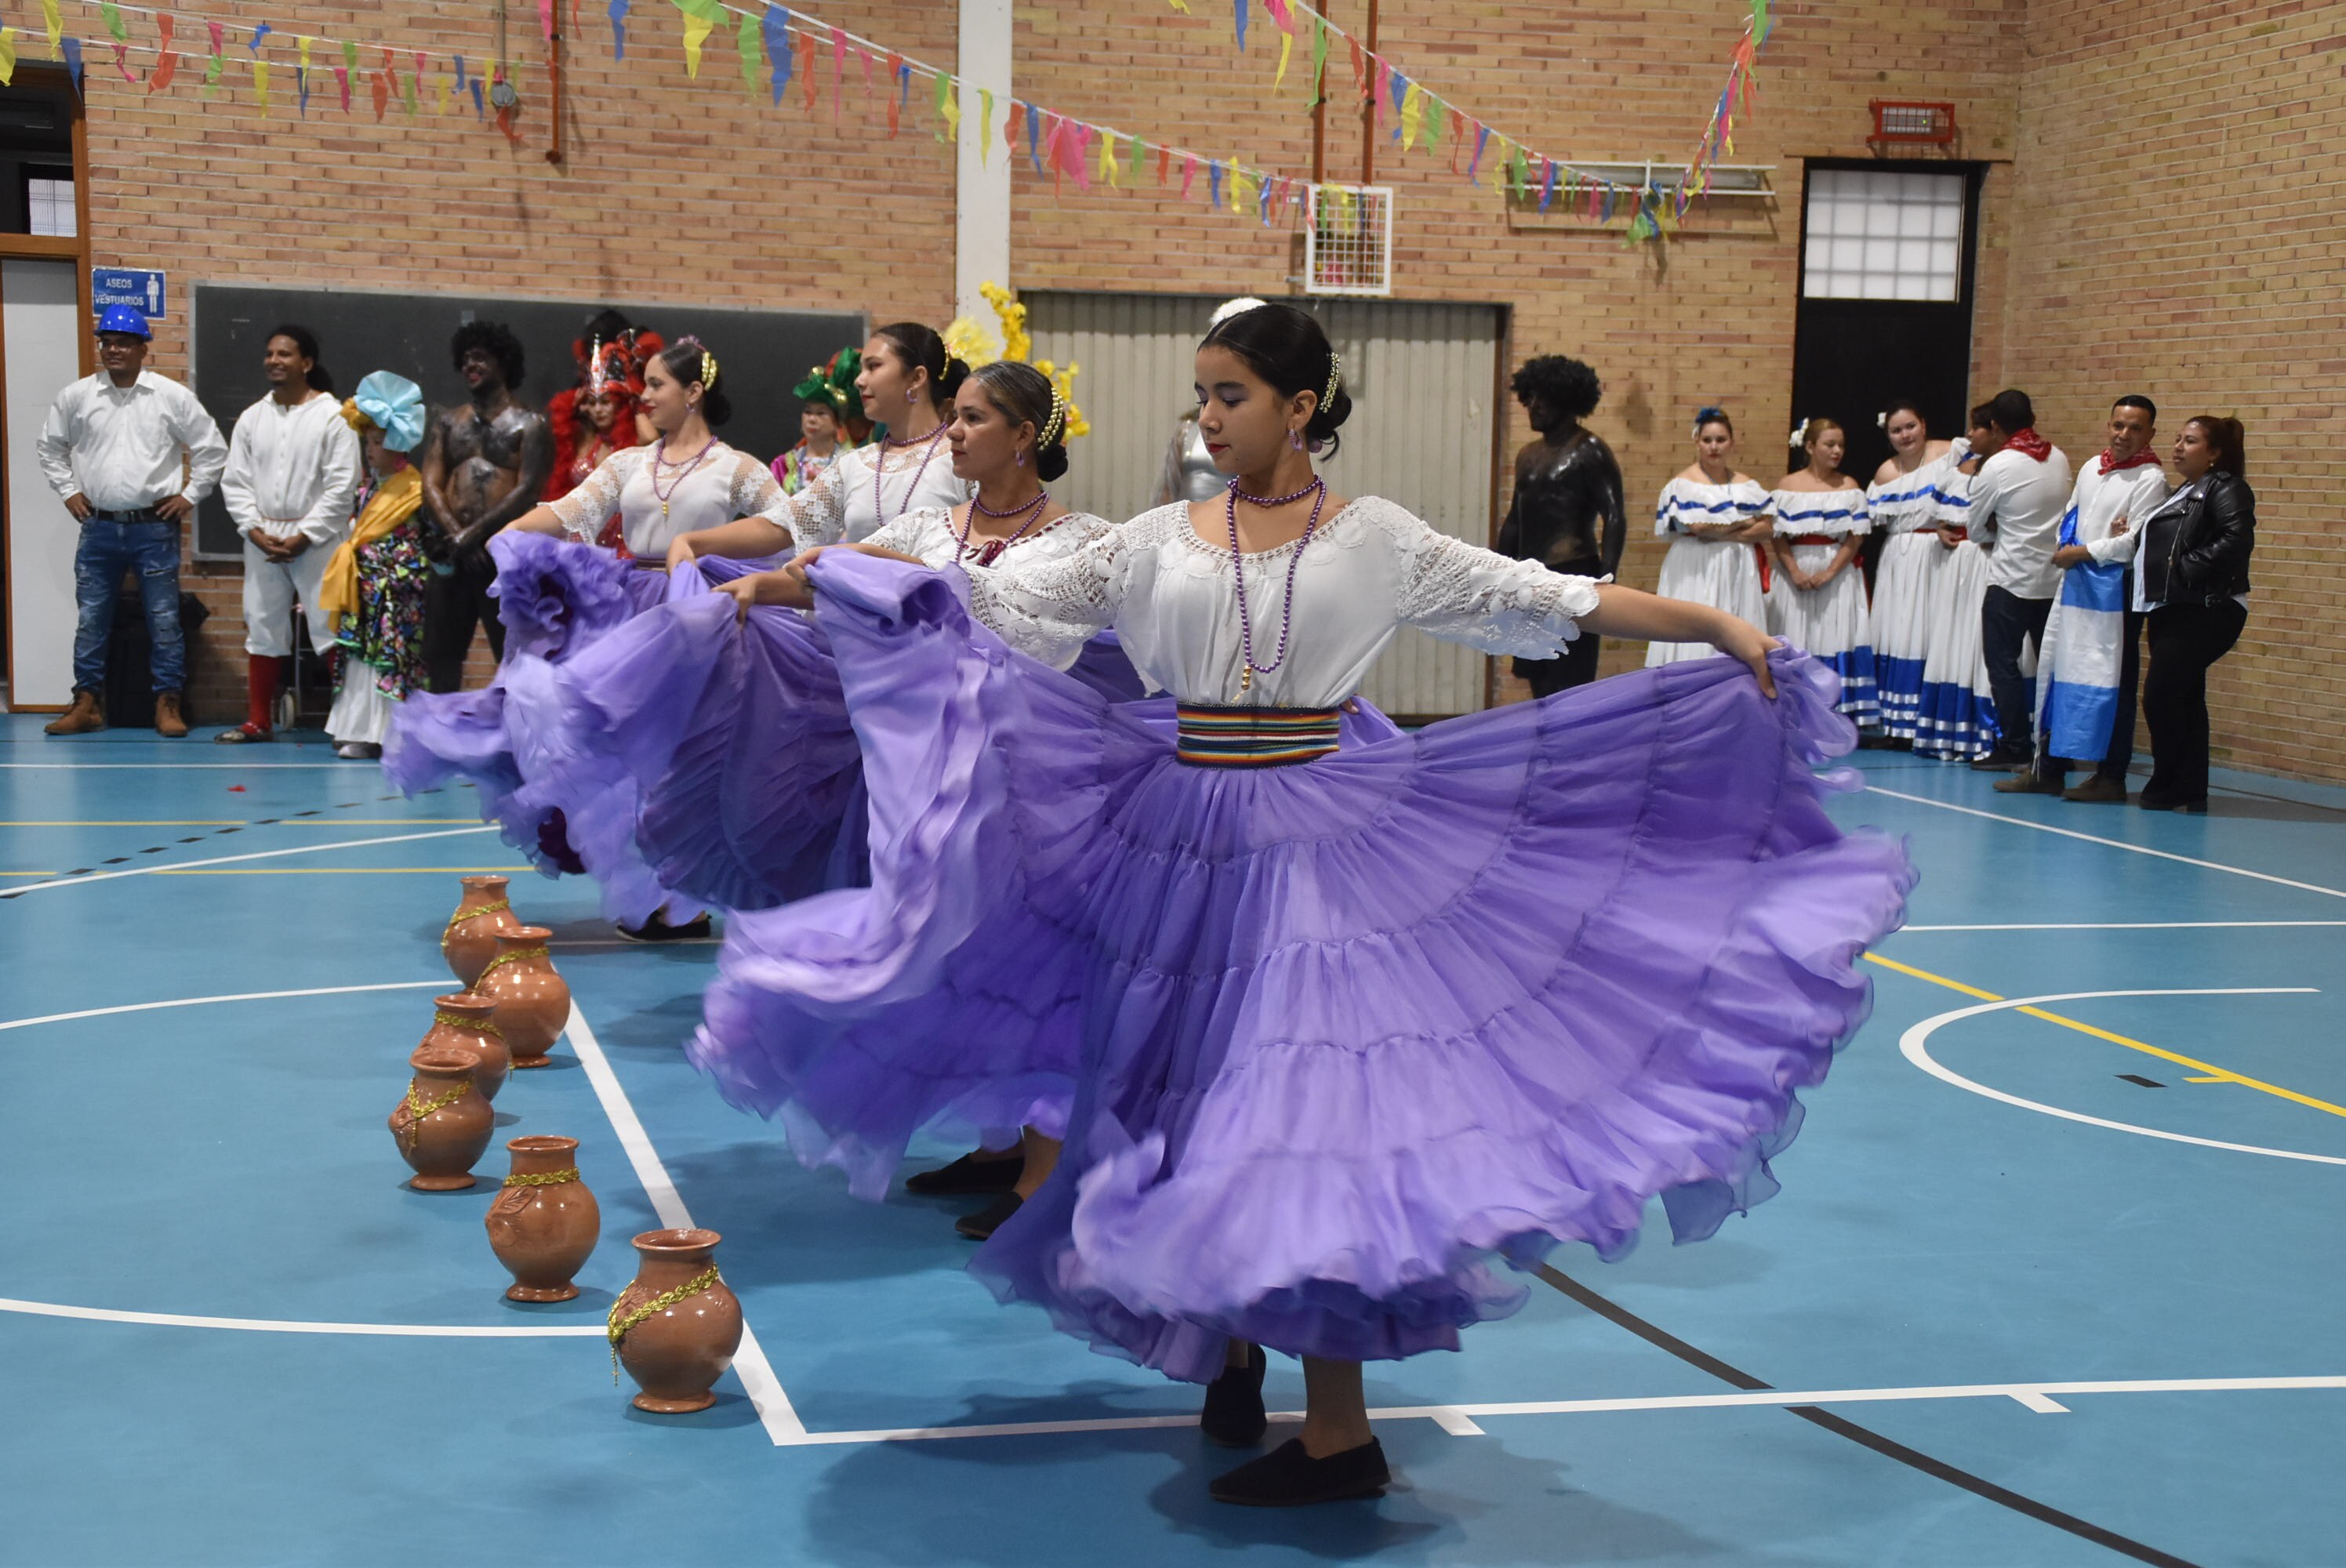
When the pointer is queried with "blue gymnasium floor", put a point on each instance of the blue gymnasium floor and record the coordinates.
(2015, 1305)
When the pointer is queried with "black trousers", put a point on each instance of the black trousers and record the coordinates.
(1576, 665)
(2007, 621)
(2120, 755)
(2185, 640)
(452, 605)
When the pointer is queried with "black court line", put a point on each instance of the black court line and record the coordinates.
(217, 832)
(1840, 1426)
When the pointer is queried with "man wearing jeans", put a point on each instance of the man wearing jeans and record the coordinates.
(131, 455)
(2020, 492)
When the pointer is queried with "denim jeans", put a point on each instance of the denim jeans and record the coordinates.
(106, 552)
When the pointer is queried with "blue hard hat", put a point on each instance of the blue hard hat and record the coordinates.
(125, 318)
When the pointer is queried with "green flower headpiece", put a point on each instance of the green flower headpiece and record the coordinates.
(834, 383)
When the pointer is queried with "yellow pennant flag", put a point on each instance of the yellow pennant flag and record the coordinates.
(1286, 47)
(57, 27)
(301, 46)
(260, 83)
(696, 33)
(986, 127)
(7, 57)
(1242, 190)
(1413, 115)
(1107, 157)
(949, 106)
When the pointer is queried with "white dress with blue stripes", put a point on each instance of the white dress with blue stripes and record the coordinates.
(1713, 572)
(1907, 586)
(1957, 719)
(1830, 622)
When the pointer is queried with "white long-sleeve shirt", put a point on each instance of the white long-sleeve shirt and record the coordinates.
(123, 449)
(292, 469)
(2025, 499)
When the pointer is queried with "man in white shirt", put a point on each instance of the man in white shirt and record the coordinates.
(293, 468)
(2091, 665)
(131, 455)
(2021, 491)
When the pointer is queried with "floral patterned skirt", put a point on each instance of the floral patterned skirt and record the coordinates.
(386, 636)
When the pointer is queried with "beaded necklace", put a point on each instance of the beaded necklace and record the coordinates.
(1318, 491)
(880, 467)
(992, 549)
(685, 471)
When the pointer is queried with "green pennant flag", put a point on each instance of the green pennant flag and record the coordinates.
(114, 23)
(745, 42)
(1436, 111)
(944, 99)
(1132, 160)
(1319, 59)
(350, 56)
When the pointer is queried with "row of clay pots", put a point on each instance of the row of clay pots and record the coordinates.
(675, 1325)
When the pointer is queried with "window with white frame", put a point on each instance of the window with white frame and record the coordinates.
(1878, 234)
(49, 204)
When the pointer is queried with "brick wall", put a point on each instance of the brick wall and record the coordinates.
(2120, 127)
(2179, 181)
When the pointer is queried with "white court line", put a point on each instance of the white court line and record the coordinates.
(1914, 1046)
(286, 1326)
(749, 1363)
(1460, 1418)
(236, 996)
(254, 855)
(2109, 843)
(2141, 925)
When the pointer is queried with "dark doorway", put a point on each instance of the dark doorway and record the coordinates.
(1885, 308)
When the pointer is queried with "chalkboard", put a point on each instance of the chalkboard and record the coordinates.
(764, 354)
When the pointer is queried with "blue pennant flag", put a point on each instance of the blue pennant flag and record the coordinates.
(777, 29)
(618, 14)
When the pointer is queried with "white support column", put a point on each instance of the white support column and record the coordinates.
(981, 174)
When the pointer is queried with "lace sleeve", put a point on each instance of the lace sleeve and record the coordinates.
(584, 511)
(1464, 593)
(817, 515)
(907, 534)
(1049, 607)
(756, 492)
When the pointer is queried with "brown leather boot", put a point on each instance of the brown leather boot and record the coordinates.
(170, 722)
(82, 718)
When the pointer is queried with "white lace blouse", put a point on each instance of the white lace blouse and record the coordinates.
(870, 488)
(724, 486)
(1369, 571)
(929, 535)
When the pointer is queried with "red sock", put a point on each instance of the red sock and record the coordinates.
(261, 687)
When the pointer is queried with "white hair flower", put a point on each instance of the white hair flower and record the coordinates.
(1881, 420)
(1801, 433)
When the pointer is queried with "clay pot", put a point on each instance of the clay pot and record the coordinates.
(470, 940)
(533, 1004)
(677, 1353)
(462, 1023)
(545, 1223)
(442, 1123)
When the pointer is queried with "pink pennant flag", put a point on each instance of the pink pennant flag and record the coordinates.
(343, 79)
(1383, 88)
(122, 63)
(1080, 156)
(545, 19)
(837, 69)
(1188, 174)
(215, 28)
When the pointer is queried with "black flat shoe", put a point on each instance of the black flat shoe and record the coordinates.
(656, 930)
(967, 1175)
(1233, 1416)
(978, 1226)
(1287, 1477)
(2001, 760)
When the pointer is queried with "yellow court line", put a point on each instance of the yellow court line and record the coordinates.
(321, 871)
(27, 873)
(2214, 1075)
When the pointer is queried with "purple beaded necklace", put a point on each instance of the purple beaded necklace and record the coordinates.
(880, 465)
(1318, 491)
(990, 550)
(684, 469)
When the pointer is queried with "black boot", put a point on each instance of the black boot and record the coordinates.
(1287, 1477)
(1233, 1416)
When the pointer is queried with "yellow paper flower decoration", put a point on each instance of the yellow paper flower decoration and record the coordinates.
(970, 343)
(1016, 342)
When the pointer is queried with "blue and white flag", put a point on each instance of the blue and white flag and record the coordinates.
(2084, 638)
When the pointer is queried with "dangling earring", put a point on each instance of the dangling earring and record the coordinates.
(1295, 439)
(910, 395)
(1022, 457)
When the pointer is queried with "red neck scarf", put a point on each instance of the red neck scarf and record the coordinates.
(2145, 458)
(2029, 444)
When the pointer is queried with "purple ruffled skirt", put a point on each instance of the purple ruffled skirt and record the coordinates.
(1347, 1032)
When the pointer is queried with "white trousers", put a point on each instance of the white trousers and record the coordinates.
(270, 591)
(360, 711)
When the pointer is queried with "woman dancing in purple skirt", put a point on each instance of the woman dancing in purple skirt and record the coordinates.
(1354, 1023)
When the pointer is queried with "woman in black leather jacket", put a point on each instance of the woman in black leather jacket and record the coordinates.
(2191, 572)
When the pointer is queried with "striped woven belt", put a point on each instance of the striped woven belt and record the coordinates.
(1253, 737)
